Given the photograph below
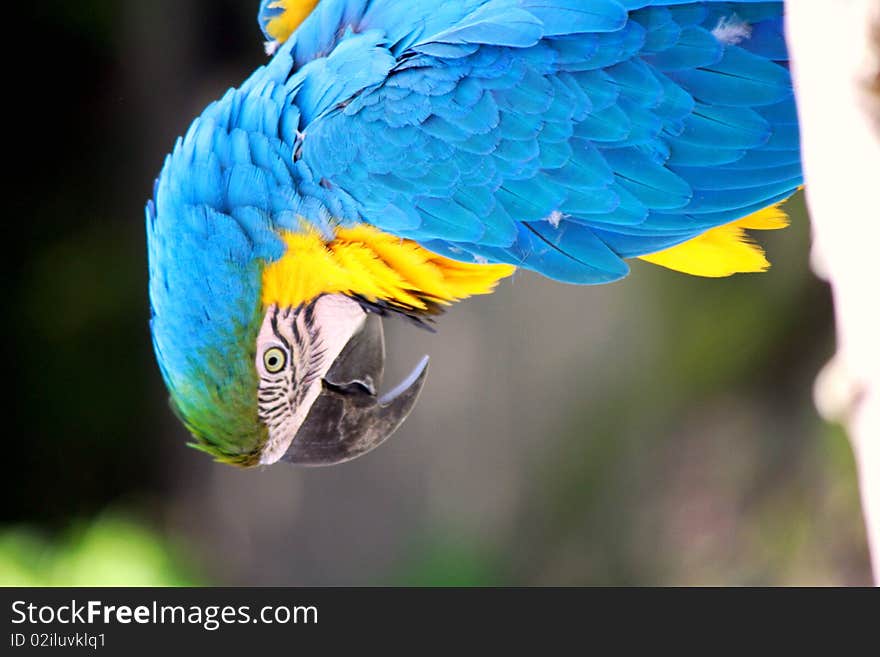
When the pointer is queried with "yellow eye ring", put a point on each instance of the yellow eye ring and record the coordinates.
(274, 360)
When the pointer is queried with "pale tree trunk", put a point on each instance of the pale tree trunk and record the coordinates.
(835, 57)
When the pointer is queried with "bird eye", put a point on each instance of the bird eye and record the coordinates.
(274, 360)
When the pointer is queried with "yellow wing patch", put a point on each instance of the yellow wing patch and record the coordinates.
(724, 250)
(293, 13)
(377, 266)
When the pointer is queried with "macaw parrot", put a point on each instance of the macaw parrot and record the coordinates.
(396, 156)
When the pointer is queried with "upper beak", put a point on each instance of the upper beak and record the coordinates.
(348, 418)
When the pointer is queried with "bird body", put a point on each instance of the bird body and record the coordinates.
(400, 156)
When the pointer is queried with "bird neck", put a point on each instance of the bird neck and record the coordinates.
(374, 266)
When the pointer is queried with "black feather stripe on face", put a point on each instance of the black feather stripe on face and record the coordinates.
(313, 336)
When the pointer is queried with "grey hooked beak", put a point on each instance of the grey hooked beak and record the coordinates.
(348, 418)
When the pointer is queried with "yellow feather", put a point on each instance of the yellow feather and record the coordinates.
(724, 250)
(294, 12)
(377, 266)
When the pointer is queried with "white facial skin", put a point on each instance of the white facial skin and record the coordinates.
(295, 350)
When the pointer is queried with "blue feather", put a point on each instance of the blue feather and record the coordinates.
(555, 135)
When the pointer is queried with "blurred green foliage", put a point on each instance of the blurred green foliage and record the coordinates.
(439, 561)
(110, 550)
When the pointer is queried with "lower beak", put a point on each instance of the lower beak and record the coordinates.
(349, 419)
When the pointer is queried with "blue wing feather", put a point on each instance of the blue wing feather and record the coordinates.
(557, 135)
(552, 134)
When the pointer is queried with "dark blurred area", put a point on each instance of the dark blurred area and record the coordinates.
(659, 430)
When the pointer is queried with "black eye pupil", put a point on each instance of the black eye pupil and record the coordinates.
(273, 360)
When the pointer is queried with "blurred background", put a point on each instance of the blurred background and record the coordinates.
(656, 431)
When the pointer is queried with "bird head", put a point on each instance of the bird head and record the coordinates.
(302, 388)
(320, 368)
(257, 380)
